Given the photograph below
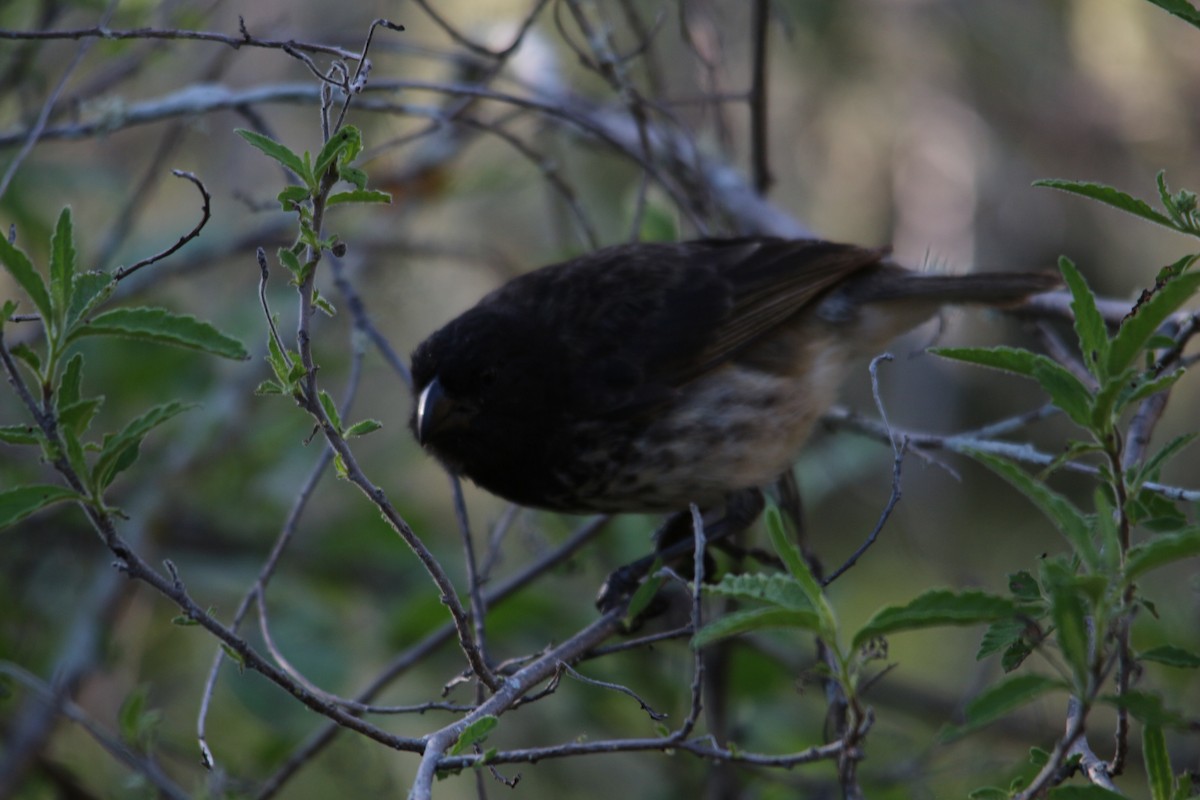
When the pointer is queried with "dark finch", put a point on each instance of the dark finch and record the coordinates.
(645, 377)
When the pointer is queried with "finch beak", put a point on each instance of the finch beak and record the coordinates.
(437, 412)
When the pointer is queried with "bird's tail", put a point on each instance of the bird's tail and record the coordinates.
(986, 288)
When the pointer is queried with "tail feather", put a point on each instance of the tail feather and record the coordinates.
(987, 288)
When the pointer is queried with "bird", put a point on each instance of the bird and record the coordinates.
(647, 377)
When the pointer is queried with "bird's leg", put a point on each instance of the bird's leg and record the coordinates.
(674, 541)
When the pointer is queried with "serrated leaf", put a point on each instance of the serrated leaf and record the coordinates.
(1158, 763)
(1089, 325)
(1151, 469)
(1144, 320)
(1180, 8)
(27, 277)
(70, 387)
(1001, 699)
(160, 325)
(756, 619)
(280, 153)
(1171, 656)
(354, 176)
(1069, 614)
(268, 387)
(292, 195)
(1161, 551)
(29, 356)
(793, 559)
(935, 608)
(19, 434)
(290, 260)
(17, 504)
(644, 593)
(78, 416)
(476, 732)
(1024, 586)
(778, 590)
(1065, 390)
(331, 410)
(1110, 196)
(62, 264)
(338, 143)
(359, 196)
(1000, 635)
(1065, 516)
(119, 451)
(1147, 709)
(363, 427)
(1015, 654)
(88, 290)
(1146, 388)
(1009, 359)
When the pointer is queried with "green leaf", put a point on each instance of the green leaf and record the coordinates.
(1147, 386)
(338, 143)
(28, 355)
(1001, 699)
(359, 196)
(363, 427)
(290, 260)
(1067, 391)
(1069, 613)
(1110, 196)
(756, 619)
(354, 176)
(17, 504)
(291, 196)
(280, 153)
(160, 325)
(19, 434)
(1158, 763)
(62, 264)
(119, 451)
(1089, 325)
(778, 590)
(936, 607)
(331, 410)
(88, 290)
(1147, 315)
(1160, 551)
(476, 732)
(1147, 709)
(1024, 586)
(27, 277)
(7, 310)
(1171, 656)
(78, 416)
(268, 387)
(1065, 516)
(1151, 470)
(1001, 635)
(1180, 8)
(645, 592)
(793, 559)
(70, 389)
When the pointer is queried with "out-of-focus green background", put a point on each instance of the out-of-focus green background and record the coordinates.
(919, 123)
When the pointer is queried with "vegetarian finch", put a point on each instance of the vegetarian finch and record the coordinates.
(645, 377)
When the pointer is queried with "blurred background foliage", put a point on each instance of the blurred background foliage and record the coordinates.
(919, 123)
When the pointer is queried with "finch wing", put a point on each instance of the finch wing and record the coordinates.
(641, 321)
